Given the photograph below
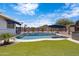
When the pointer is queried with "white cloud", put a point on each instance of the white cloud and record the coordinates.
(40, 21)
(26, 8)
(73, 10)
(67, 5)
(71, 5)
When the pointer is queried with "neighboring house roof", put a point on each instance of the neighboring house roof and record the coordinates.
(9, 19)
(72, 25)
(57, 26)
(77, 23)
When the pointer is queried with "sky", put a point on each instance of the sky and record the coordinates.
(38, 14)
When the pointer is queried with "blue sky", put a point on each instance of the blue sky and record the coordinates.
(38, 14)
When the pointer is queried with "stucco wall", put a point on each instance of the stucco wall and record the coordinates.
(4, 29)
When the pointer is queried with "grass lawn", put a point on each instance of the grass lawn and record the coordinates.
(41, 48)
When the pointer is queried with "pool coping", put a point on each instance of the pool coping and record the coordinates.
(42, 39)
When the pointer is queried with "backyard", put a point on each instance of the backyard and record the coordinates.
(41, 48)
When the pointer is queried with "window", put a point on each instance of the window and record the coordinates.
(10, 24)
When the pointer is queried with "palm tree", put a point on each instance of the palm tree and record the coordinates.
(33, 29)
(6, 37)
(42, 29)
(25, 28)
(51, 29)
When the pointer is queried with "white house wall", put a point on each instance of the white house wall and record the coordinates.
(2, 23)
(12, 31)
(4, 29)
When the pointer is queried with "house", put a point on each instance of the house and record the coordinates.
(72, 28)
(75, 34)
(58, 28)
(8, 25)
(77, 26)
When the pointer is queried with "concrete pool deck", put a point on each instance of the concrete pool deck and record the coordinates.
(73, 40)
(34, 40)
(53, 39)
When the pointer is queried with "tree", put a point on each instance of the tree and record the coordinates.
(42, 29)
(25, 28)
(33, 29)
(64, 21)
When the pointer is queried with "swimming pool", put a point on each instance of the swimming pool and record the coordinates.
(33, 36)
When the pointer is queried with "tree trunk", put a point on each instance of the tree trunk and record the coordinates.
(68, 29)
(6, 42)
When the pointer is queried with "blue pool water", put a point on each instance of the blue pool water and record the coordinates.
(31, 36)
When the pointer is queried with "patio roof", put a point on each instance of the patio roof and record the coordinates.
(56, 26)
(9, 19)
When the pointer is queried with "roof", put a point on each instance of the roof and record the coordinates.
(9, 19)
(57, 26)
(72, 25)
(77, 22)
